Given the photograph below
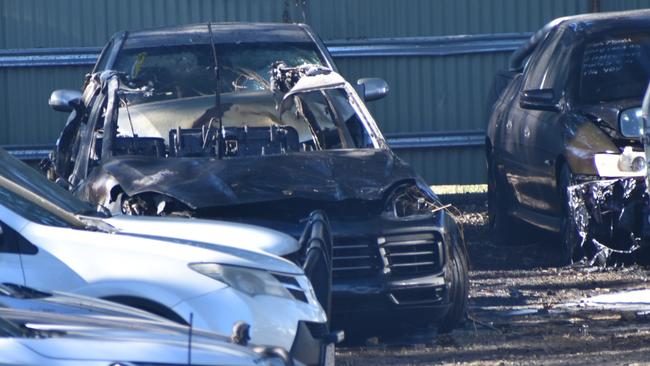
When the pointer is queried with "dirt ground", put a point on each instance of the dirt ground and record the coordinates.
(518, 313)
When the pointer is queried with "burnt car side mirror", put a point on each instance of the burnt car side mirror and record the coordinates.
(539, 99)
(64, 100)
(372, 88)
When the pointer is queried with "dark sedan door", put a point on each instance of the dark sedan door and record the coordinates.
(544, 130)
(539, 131)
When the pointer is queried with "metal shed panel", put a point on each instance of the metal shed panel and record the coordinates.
(429, 93)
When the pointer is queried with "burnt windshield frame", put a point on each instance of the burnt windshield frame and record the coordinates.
(586, 94)
(231, 57)
(336, 114)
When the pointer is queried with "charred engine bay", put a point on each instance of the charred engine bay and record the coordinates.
(524, 310)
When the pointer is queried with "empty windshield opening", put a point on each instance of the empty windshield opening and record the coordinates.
(252, 124)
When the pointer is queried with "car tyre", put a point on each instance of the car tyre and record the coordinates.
(458, 290)
(570, 241)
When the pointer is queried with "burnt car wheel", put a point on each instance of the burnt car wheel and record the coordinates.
(458, 290)
(569, 237)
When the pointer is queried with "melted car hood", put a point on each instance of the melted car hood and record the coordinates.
(333, 175)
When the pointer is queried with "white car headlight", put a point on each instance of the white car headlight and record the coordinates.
(627, 164)
(247, 280)
(631, 122)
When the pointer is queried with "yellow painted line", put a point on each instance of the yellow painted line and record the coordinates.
(460, 188)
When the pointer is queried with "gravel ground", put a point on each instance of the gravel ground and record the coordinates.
(518, 313)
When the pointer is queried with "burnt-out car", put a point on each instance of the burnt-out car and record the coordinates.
(568, 123)
(244, 132)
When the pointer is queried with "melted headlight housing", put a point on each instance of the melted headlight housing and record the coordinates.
(408, 201)
(152, 204)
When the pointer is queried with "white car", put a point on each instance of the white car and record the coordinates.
(53, 241)
(41, 328)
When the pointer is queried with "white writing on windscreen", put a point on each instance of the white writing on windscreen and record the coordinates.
(609, 56)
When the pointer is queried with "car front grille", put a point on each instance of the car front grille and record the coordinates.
(415, 254)
(355, 257)
(402, 255)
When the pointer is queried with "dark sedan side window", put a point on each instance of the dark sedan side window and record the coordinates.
(548, 66)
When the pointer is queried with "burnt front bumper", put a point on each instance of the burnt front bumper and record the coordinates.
(383, 266)
(611, 215)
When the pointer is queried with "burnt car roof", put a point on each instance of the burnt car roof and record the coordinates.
(603, 22)
(599, 18)
(586, 24)
(223, 33)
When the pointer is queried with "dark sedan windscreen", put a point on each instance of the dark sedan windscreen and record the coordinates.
(615, 66)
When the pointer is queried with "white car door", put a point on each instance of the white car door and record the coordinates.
(23, 261)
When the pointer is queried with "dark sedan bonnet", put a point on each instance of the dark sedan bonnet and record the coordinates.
(209, 182)
(609, 112)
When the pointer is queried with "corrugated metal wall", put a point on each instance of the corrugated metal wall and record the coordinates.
(427, 93)
(395, 18)
(617, 5)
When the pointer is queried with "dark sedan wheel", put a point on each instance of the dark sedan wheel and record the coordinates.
(458, 290)
(569, 239)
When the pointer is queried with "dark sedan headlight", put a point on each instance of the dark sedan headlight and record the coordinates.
(409, 201)
(628, 163)
(631, 122)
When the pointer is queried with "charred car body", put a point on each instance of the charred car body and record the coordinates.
(563, 141)
(282, 135)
